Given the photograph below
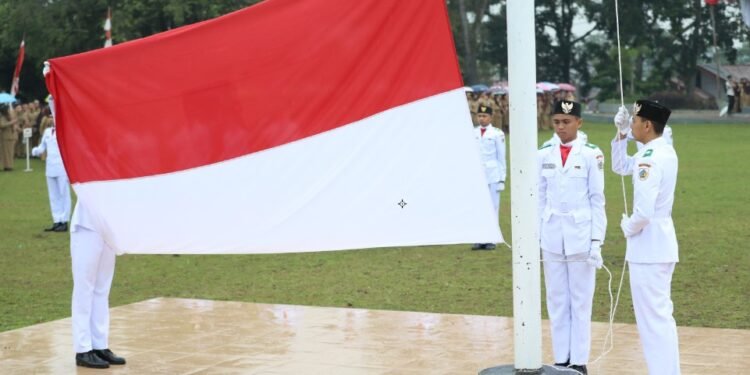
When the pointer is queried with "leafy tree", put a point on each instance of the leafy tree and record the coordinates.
(54, 28)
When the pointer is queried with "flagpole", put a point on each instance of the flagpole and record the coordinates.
(527, 305)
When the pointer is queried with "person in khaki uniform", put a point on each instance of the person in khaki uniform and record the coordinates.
(539, 110)
(8, 136)
(20, 115)
(473, 106)
(46, 120)
(506, 113)
(546, 111)
(36, 121)
(497, 112)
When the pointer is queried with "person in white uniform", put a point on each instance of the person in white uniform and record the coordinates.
(93, 263)
(572, 228)
(652, 251)
(491, 141)
(667, 135)
(57, 180)
(555, 139)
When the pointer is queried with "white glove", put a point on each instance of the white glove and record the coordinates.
(501, 186)
(46, 69)
(595, 255)
(623, 120)
(625, 226)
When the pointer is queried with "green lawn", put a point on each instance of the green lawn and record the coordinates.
(711, 284)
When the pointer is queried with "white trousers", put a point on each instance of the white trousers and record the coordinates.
(650, 285)
(570, 295)
(495, 195)
(59, 198)
(93, 270)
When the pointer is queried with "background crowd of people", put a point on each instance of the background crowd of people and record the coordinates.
(13, 119)
(498, 101)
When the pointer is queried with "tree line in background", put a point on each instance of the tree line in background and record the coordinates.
(662, 41)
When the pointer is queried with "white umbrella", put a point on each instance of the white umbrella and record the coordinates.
(7, 98)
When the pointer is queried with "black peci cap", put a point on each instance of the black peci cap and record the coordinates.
(652, 111)
(567, 107)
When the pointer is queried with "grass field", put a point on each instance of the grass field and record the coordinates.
(711, 285)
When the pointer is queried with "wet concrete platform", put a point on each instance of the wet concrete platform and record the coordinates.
(187, 336)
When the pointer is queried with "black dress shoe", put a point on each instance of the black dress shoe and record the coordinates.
(489, 246)
(109, 357)
(477, 246)
(563, 364)
(89, 359)
(579, 368)
(63, 227)
(52, 228)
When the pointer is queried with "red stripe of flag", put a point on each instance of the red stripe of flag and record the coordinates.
(261, 77)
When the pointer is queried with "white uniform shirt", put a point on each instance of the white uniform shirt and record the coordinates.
(666, 134)
(571, 198)
(650, 230)
(492, 149)
(54, 163)
(730, 88)
(555, 140)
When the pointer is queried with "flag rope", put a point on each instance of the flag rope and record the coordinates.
(613, 307)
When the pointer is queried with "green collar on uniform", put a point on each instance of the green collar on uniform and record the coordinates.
(545, 146)
(648, 152)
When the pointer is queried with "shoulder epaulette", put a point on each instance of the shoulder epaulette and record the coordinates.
(648, 152)
(592, 146)
(545, 146)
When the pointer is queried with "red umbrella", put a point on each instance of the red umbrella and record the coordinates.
(566, 87)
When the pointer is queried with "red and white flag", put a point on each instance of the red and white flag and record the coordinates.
(108, 29)
(289, 126)
(17, 72)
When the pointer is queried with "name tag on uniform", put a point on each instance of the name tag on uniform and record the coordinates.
(577, 167)
(548, 166)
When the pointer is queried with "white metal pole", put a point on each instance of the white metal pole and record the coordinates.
(525, 218)
(28, 165)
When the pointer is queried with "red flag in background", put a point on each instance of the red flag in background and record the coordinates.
(108, 29)
(17, 71)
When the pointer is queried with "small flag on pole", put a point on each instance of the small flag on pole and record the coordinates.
(108, 29)
(17, 72)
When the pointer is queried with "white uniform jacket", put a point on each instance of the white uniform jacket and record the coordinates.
(555, 140)
(492, 149)
(649, 230)
(54, 163)
(571, 198)
(667, 135)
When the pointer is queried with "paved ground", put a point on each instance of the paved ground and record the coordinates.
(186, 336)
